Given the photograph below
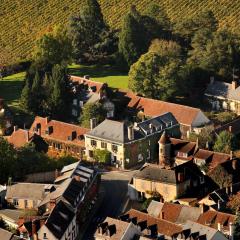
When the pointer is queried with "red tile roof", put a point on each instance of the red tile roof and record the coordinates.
(20, 137)
(88, 82)
(164, 227)
(212, 218)
(184, 114)
(171, 211)
(61, 131)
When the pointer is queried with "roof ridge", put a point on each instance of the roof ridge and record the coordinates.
(82, 78)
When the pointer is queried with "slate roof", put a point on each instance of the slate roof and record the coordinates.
(154, 172)
(59, 219)
(61, 131)
(233, 127)
(120, 134)
(35, 191)
(223, 90)
(184, 114)
(202, 230)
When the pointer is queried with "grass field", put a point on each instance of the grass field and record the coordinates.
(11, 87)
(107, 74)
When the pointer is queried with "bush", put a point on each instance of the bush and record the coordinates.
(102, 156)
(225, 117)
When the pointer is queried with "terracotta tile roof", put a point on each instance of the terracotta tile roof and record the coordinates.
(171, 211)
(20, 137)
(164, 227)
(91, 84)
(219, 158)
(212, 218)
(203, 154)
(184, 114)
(60, 131)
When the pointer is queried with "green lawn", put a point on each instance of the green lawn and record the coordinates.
(102, 73)
(11, 87)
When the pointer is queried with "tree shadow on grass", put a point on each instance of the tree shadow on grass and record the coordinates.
(96, 71)
(11, 90)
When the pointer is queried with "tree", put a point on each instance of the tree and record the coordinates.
(8, 161)
(234, 203)
(54, 47)
(204, 138)
(60, 94)
(88, 30)
(220, 176)
(90, 111)
(225, 142)
(156, 22)
(132, 40)
(155, 75)
(204, 21)
(102, 156)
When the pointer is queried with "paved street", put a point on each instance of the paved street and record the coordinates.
(114, 185)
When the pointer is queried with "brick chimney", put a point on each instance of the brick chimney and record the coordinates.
(15, 128)
(130, 133)
(52, 204)
(234, 85)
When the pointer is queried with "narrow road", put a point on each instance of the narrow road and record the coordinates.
(115, 188)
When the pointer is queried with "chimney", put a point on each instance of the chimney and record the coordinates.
(130, 133)
(231, 231)
(219, 227)
(151, 128)
(227, 192)
(42, 222)
(234, 164)
(211, 79)
(219, 205)
(234, 85)
(47, 120)
(15, 128)
(230, 128)
(93, 123)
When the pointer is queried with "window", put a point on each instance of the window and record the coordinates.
(114, 148)
(93, 143)
(103, 145)
(90, 153)
(26, 203)
(74, 112)
(44, 236)
(15, 202)
(75, 102)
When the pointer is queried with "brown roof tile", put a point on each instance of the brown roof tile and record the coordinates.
(184, 114)
(20, 137)
(164, 227)
(61, 131)
(171, 211)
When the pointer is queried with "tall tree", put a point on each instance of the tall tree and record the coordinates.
(92, 110)
(225, 142)
(155, 74)
(86, 29)
(26, 96)
(60, 93)
(132, 39)
(54, 47)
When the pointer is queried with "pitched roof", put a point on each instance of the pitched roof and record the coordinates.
(60, 131)
(184, 114)
(89, 83)
(212, 218)
(5, 235)
(59, 219)
(35, 191)
(164, 227)
(20, 137)
(11, 214)
(223, 90)
(233, 127)
(173, 212)
(118, 228)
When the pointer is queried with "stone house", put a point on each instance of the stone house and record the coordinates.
(61, 137)
(130, 145)
(190, 119)
(224, 96)
(27, 195)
